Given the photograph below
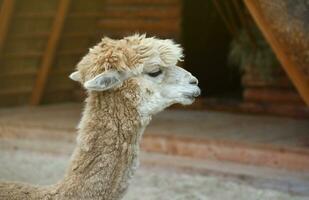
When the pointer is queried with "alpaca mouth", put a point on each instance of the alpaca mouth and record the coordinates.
(193, 95)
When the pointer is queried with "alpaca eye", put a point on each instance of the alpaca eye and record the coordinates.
(155, 74)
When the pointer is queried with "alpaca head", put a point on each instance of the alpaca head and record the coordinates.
(148, 65)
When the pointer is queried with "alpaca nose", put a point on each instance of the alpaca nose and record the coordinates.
(193, 81)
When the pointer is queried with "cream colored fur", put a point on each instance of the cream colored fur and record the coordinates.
(123, 94)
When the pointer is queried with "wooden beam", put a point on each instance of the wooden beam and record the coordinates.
(49, 53)
(297, 77)
(6, 12)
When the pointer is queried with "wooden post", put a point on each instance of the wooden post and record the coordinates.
(6, 12)
(49, 53)
(296, 76)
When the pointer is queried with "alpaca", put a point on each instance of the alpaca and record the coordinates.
(127, 82)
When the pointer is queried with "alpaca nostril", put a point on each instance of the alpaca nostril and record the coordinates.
(193, 81)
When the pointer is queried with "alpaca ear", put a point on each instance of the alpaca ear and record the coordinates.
(104, 81)
(75, 76)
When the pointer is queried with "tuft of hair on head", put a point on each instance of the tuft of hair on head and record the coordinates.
(102, 67)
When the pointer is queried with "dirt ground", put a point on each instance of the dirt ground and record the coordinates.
(255, 129)
(151, 182)
(36, 143)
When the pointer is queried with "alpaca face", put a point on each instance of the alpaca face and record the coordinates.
(149, 62)
(164, 86)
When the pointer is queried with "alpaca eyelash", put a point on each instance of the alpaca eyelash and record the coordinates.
(155, 74)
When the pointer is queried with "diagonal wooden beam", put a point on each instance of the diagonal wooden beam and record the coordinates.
(297, 77)
(6, 11)
(49, 53)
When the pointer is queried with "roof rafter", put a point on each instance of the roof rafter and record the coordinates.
(49, 53)
(6, 11)
(297, 77)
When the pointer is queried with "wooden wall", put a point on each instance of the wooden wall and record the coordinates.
(161, 18)
(31, 26)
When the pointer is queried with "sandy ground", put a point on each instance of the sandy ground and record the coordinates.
(255, 129)
(150, 183)
(36, 148)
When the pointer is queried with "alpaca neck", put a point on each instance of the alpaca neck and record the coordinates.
(107, 148)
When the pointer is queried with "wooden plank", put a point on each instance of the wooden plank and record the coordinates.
(21, 55)
(272, 95)
(297, 77)
(30, 6)
(49, 53)
(8, 92)
(32, 35)
(14, 100)
(59, 96)
(142, 2)
(168, 12)
(118, 34)
(26, 71)
(21, 96)
(20, 47)
(34, 15)
(6, 12)
(168, 25)
(39, 35)
(289, 158)
(20, 90)
(28, 26)
(76, 52)
(14, 72)
(254, 80)
(66, 85)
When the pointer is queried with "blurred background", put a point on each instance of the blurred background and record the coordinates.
(247, 133)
